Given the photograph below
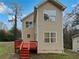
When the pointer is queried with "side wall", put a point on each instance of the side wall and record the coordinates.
(44, 26)
(75, 44)
(26, 31)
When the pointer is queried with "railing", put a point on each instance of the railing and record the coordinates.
(33, 44)
(30, 45)
(17, 44)
(21, 45)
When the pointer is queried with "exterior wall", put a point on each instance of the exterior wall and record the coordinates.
(75, 44)
(26, 31)
(47, 26)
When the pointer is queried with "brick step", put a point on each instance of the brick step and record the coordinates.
(24, 52)
(25, 46)
(24, 49)
(24, 55)
(24, 58)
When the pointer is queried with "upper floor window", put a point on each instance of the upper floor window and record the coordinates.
(28, 24)
(50, 37)
(49, 15)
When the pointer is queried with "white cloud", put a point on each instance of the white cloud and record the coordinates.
(4, 8)
(74, 5)
(11, 17)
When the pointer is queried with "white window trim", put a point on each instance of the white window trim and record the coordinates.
(31, 25)
(49, 41)
(54, 16)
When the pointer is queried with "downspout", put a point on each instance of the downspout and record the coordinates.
(34, 22)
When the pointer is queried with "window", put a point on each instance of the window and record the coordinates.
(50, 37)
(53, 37)
(28, 24)
(46, 37)
(49, 15)
(28, 35)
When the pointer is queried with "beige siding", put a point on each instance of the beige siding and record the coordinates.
(26, 31)
(47, 26)
(75, 44)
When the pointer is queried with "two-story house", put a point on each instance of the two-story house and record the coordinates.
(44, 25)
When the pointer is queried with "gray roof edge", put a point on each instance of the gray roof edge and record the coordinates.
(74, 36)
(56, 1)
(37, 6)
(27, 16)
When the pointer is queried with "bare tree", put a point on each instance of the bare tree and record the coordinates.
(3, 26)
(16, 15)
(73, 19)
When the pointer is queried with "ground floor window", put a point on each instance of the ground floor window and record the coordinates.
(50, 37)
(28, 35)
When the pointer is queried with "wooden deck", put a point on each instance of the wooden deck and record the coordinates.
(24, 48)
(32, 45)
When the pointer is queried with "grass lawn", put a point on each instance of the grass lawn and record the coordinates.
(68, 55)
(2, 50)
(6, 48)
